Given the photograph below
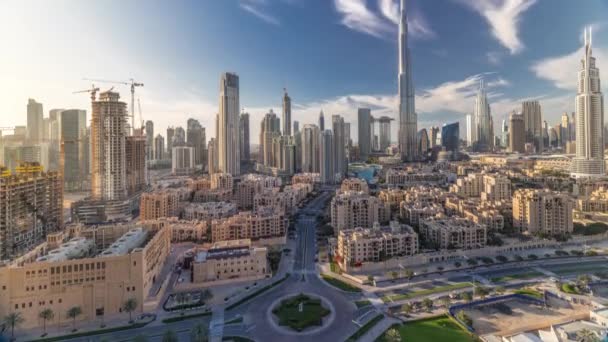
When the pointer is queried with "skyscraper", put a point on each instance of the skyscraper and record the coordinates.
(170, 134)
(533, 124)
(450, 136)
(482, 122)
(321, 121)
(408, 121)
(159, 147)
(589, 160)
(504, 139)
(296, 126)
(286, 114)
(565, 129)
(244, 137)
(270, 129)
(471, 130)
(34, 121)
(310, 148)
(517, 133)
(385, 132)
(228, 147)
(327, 158)
(73, 129)
(197, 139)
(108, 135)
(149, 140)
(365, 132)
(339, 142)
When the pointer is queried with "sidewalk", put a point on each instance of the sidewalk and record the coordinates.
(379, 329)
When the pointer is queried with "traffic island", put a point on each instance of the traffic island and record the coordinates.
(301, 314)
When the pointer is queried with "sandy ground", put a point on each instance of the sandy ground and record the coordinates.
(524, 316)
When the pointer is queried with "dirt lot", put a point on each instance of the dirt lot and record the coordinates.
(509, 317)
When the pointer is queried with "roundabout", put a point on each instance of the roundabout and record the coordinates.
(301, 314)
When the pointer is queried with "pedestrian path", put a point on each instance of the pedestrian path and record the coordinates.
(378, 329)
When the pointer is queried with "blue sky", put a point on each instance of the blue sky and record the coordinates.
(333, 55)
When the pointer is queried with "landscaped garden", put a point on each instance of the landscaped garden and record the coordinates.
(439, 328)
(517, 276)
(300, 312)
(426, 292)
(340, 284)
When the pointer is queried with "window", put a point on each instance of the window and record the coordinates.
(59, 300)
(16, 306)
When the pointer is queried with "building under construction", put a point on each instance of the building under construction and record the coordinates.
(31, 203)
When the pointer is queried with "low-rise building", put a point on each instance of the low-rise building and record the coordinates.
(209, 211)
(359, 245)
(396, 177)
(414, 212)
(266, 224)
(230, 260)
(222, 181)
(353, 209)
(542, 211)
(453, 233)
(157, 204)
(180, 230)
(495, 187)
(354, 184)
(72, 275)
(308, 178)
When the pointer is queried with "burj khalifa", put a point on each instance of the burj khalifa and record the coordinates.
(408, 121)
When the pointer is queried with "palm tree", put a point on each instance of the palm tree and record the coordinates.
(46, 315)
(446, 301)
(199, 333)
(407, 308)
(169, 336)
(129, 306)
(370, 278)
(428, 304)
(14, 319)
(586, 335)
(394, 275)
(72, 313)
(392, 335)
(466, 296)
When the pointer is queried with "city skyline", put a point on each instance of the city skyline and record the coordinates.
(549, 76)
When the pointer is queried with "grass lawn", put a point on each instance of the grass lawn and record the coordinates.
(530, 292)
(362, 303)
(569, 288)
(433, 329)
(518, 276)
(438, 289)
(340, 284)
(312, 313)
(365, 328)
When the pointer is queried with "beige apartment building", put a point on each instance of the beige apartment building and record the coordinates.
(354, 209)
(252, 184)
(98, 270)
(31, 203)
(354, 184)
(542, 211)
(596, 202)
(163, 203)
(468, 186)
(221, 181)
(264, 224)
(213, 195)
(495, 187)
(230, 260)
(414, 212)
(180, 230)
(396, 177)
(359, 245)
(306, 178)
(453, 233)
(209, 211)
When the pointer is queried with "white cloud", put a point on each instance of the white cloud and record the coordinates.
(494, 57)
(562, 70)
(257, 8)
(503, 16)
(357, 16)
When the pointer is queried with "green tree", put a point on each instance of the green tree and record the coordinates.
(407, 309)
(392, 335)
(46, 315)
(394, 275)
(446, 301)
(500, 289)
(466, 296)
(409, 274)
(481, 291)
(169, 336)
(464, 318)
(199, 333)
(370, 278)
(586, 335)
(129, 306)
(72, 313)
(13, 320)
(428, 304)
(583, 280)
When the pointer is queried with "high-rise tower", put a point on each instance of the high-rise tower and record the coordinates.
(286, 114)
(482, 122)
(589, 160)
(228, 147)
(408, 121)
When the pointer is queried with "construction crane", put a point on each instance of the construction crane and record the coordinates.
(93, 91)
(141, 118)
(133, 85)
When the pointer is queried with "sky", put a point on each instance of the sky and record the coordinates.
(331, 55)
